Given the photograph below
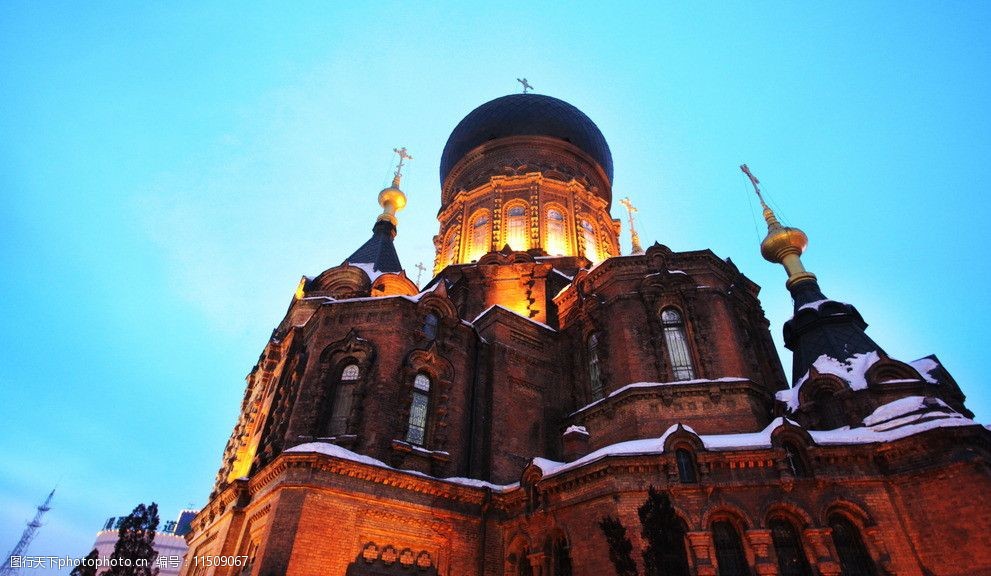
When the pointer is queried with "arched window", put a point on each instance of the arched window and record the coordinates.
(731, 559)
(481, 236)
(853, 555)
(451, 247)
(594, 369)
(677, 344)
(516, 228)
(588, 239)
(416, 431)
(829, 410)
(795, 460)
(788, 548)
(343, 399)
(557, 240)
(430, 326)
(562, 558)
(686, 466)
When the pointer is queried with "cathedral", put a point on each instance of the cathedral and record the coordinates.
(547, 406)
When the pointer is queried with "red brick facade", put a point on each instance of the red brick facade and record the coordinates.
(490, 423)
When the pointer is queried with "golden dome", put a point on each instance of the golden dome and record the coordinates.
(394, 196)
(781, 241)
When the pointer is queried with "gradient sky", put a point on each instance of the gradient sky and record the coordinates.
(168, 172)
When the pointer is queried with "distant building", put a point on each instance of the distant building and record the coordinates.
(170, 542)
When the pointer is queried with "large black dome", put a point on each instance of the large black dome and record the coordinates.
(525, 115)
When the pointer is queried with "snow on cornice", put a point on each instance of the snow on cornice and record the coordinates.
(368, 268)
(853, 371)
(907, 426)
(487, 310)
(642, 385)
(925, 366)
(342, 453)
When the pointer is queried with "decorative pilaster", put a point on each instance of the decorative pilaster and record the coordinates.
(820, 539)
(760, 543)
(701, 544)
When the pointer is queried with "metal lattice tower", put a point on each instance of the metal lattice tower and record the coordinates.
(29, 533)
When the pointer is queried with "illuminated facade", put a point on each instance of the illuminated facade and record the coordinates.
(548, 407)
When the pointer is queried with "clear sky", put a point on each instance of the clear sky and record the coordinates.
(168, 171)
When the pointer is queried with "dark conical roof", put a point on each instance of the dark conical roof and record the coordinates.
(379, 251)
(525, 115)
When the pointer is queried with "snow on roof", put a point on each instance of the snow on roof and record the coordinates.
(925, 366)
(368, 267)
(870, 434)
(622, 390)
(486, 311)
(814, 305)
(904, 406)
(342, 453)
(852, 371)
(577, 429)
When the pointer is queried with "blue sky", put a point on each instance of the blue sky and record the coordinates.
(168, 172)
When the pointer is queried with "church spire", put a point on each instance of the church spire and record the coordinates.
(820, 326)
(379, 251)
(782, 245)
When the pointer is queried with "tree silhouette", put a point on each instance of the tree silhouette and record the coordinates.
(620, 548)
(664, 532)
(134, 553)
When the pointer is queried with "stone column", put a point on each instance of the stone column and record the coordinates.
(760, 543)
(820, 540)
(701, 543)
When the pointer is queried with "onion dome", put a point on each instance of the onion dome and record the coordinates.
(526, 115)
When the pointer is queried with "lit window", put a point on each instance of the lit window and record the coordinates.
(430, 326)
(557, 242)
(686, 466)
(451, 247)
(594, 370)
(588, 238)
(788, 549)
(730, 557)
(417, 429)
(516, 228)
(343, 399)
(853, 555)
(481, 237)
(677, 344)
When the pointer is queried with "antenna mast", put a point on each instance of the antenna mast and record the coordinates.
(15, 558)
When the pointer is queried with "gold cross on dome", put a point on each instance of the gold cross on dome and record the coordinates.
(526, 85)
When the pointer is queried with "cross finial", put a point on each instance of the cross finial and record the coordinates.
(526, 85)
(769, 216)
(420, 268)
(403, 155)
(634, 237)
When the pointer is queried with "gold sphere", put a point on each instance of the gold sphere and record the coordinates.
(393, 196)
(781, 242)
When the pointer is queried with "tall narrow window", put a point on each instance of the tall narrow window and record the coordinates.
(588, 239)
(677, 344)
(594, 369)
(729, 550)
(854, 558)
(451, 247)
(686, 466)
(795, 461)
(481, 236)
(557, 242)
(788, 549)
(562, 558)
(430, 326)
(516, 228)
(416, 431)
(343, 399)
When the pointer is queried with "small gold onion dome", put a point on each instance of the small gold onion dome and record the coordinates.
(392, 200)
(782, 241)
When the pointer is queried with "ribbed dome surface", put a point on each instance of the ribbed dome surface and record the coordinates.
(525, 115)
